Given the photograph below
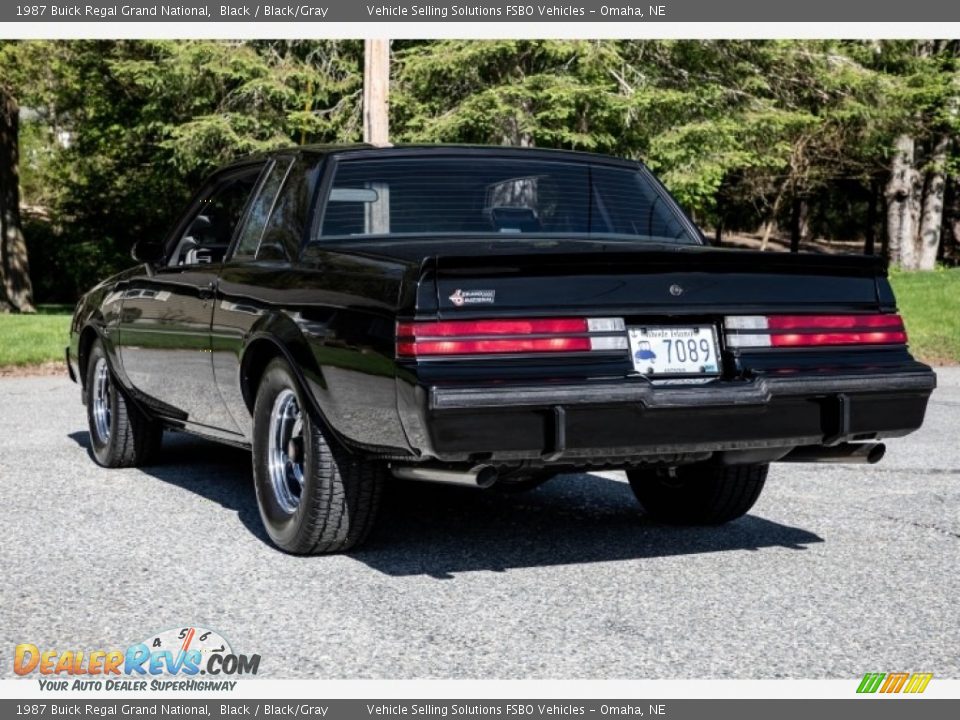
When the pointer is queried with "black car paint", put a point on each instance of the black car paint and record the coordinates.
(332, 312)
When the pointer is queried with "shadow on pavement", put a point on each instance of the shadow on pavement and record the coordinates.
(573, 519)
(219, 473)
(438, 530)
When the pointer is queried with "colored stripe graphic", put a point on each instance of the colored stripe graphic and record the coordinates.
(870, 682)
(894, 682)
(918, 682)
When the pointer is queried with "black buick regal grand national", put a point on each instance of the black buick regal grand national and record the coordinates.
(483, 316)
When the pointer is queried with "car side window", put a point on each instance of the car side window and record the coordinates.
(248, 241)
(285, 228)
(215, 217)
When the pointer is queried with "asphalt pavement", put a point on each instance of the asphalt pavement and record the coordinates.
(838, 570)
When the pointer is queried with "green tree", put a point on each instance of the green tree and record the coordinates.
(16, 290)
(553, 93)
(925, 79)
(774, 137)
(147, 119)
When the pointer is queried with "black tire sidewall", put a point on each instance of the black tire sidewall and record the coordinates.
(102, 452)
(282, 527)
(700, 494)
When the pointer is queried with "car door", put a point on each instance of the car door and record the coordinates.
(164, 328)
(260, 280)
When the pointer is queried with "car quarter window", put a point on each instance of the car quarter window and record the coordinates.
(248, 240)
(284, 231)
(476, 194)
(214, 218)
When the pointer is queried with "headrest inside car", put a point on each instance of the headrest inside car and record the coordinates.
(514, 219)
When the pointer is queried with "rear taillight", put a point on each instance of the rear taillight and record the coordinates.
(760, 331)
(513, 336)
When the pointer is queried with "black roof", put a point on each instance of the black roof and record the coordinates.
(414, 150)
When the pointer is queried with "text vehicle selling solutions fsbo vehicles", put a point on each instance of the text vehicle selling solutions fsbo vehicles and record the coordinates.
(483, 316)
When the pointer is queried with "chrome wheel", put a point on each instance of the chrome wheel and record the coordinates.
(285, 451)
(102, 400)
(314, 495)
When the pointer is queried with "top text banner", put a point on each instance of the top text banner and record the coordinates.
(331, 11)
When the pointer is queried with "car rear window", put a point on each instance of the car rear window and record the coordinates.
(475, 195)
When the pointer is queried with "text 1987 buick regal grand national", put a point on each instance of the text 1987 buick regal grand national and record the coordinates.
(482, 316)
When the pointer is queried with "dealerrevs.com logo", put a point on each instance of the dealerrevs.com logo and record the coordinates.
(169, 660)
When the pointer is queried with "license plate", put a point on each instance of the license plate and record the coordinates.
(684, 350)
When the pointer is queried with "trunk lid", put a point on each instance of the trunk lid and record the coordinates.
(661, 282)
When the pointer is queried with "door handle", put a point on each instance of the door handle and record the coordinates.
(207, 292)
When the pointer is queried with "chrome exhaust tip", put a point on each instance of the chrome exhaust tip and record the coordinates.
(868, 453)
(479, 476)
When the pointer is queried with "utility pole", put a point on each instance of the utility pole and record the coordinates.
(376, 91)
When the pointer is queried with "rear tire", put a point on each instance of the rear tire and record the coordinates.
(698, 494)
(121, 435)
(314, 495)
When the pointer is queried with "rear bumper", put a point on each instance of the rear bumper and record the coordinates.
(758, 392)
(607, 423)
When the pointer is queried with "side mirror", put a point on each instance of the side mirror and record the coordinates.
(147, 251)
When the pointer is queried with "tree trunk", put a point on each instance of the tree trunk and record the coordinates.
(901, 204)
(772, 218)
(931, 219)
(870, 234)
(950, 240)
(884, 235)
(803, 223)
(766, 230)
(795, 225)
(14, 265)
(513, 133)
(798, 215)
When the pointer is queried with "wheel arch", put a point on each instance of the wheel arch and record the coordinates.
(89, 335)
(279, 337)
(257, 354)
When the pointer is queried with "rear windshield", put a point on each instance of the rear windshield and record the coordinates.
(475, 195)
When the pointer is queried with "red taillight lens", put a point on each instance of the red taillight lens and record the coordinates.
(850, 338)
(814, 330)
(833, 322)
(460, 328)
(519, 336)
(482, 347)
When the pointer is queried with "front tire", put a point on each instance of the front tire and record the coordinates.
(314, 495)
(698, 494)
(121, 435)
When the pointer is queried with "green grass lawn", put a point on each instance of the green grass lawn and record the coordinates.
(34, 339)
(930, 305)
(929, 302)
